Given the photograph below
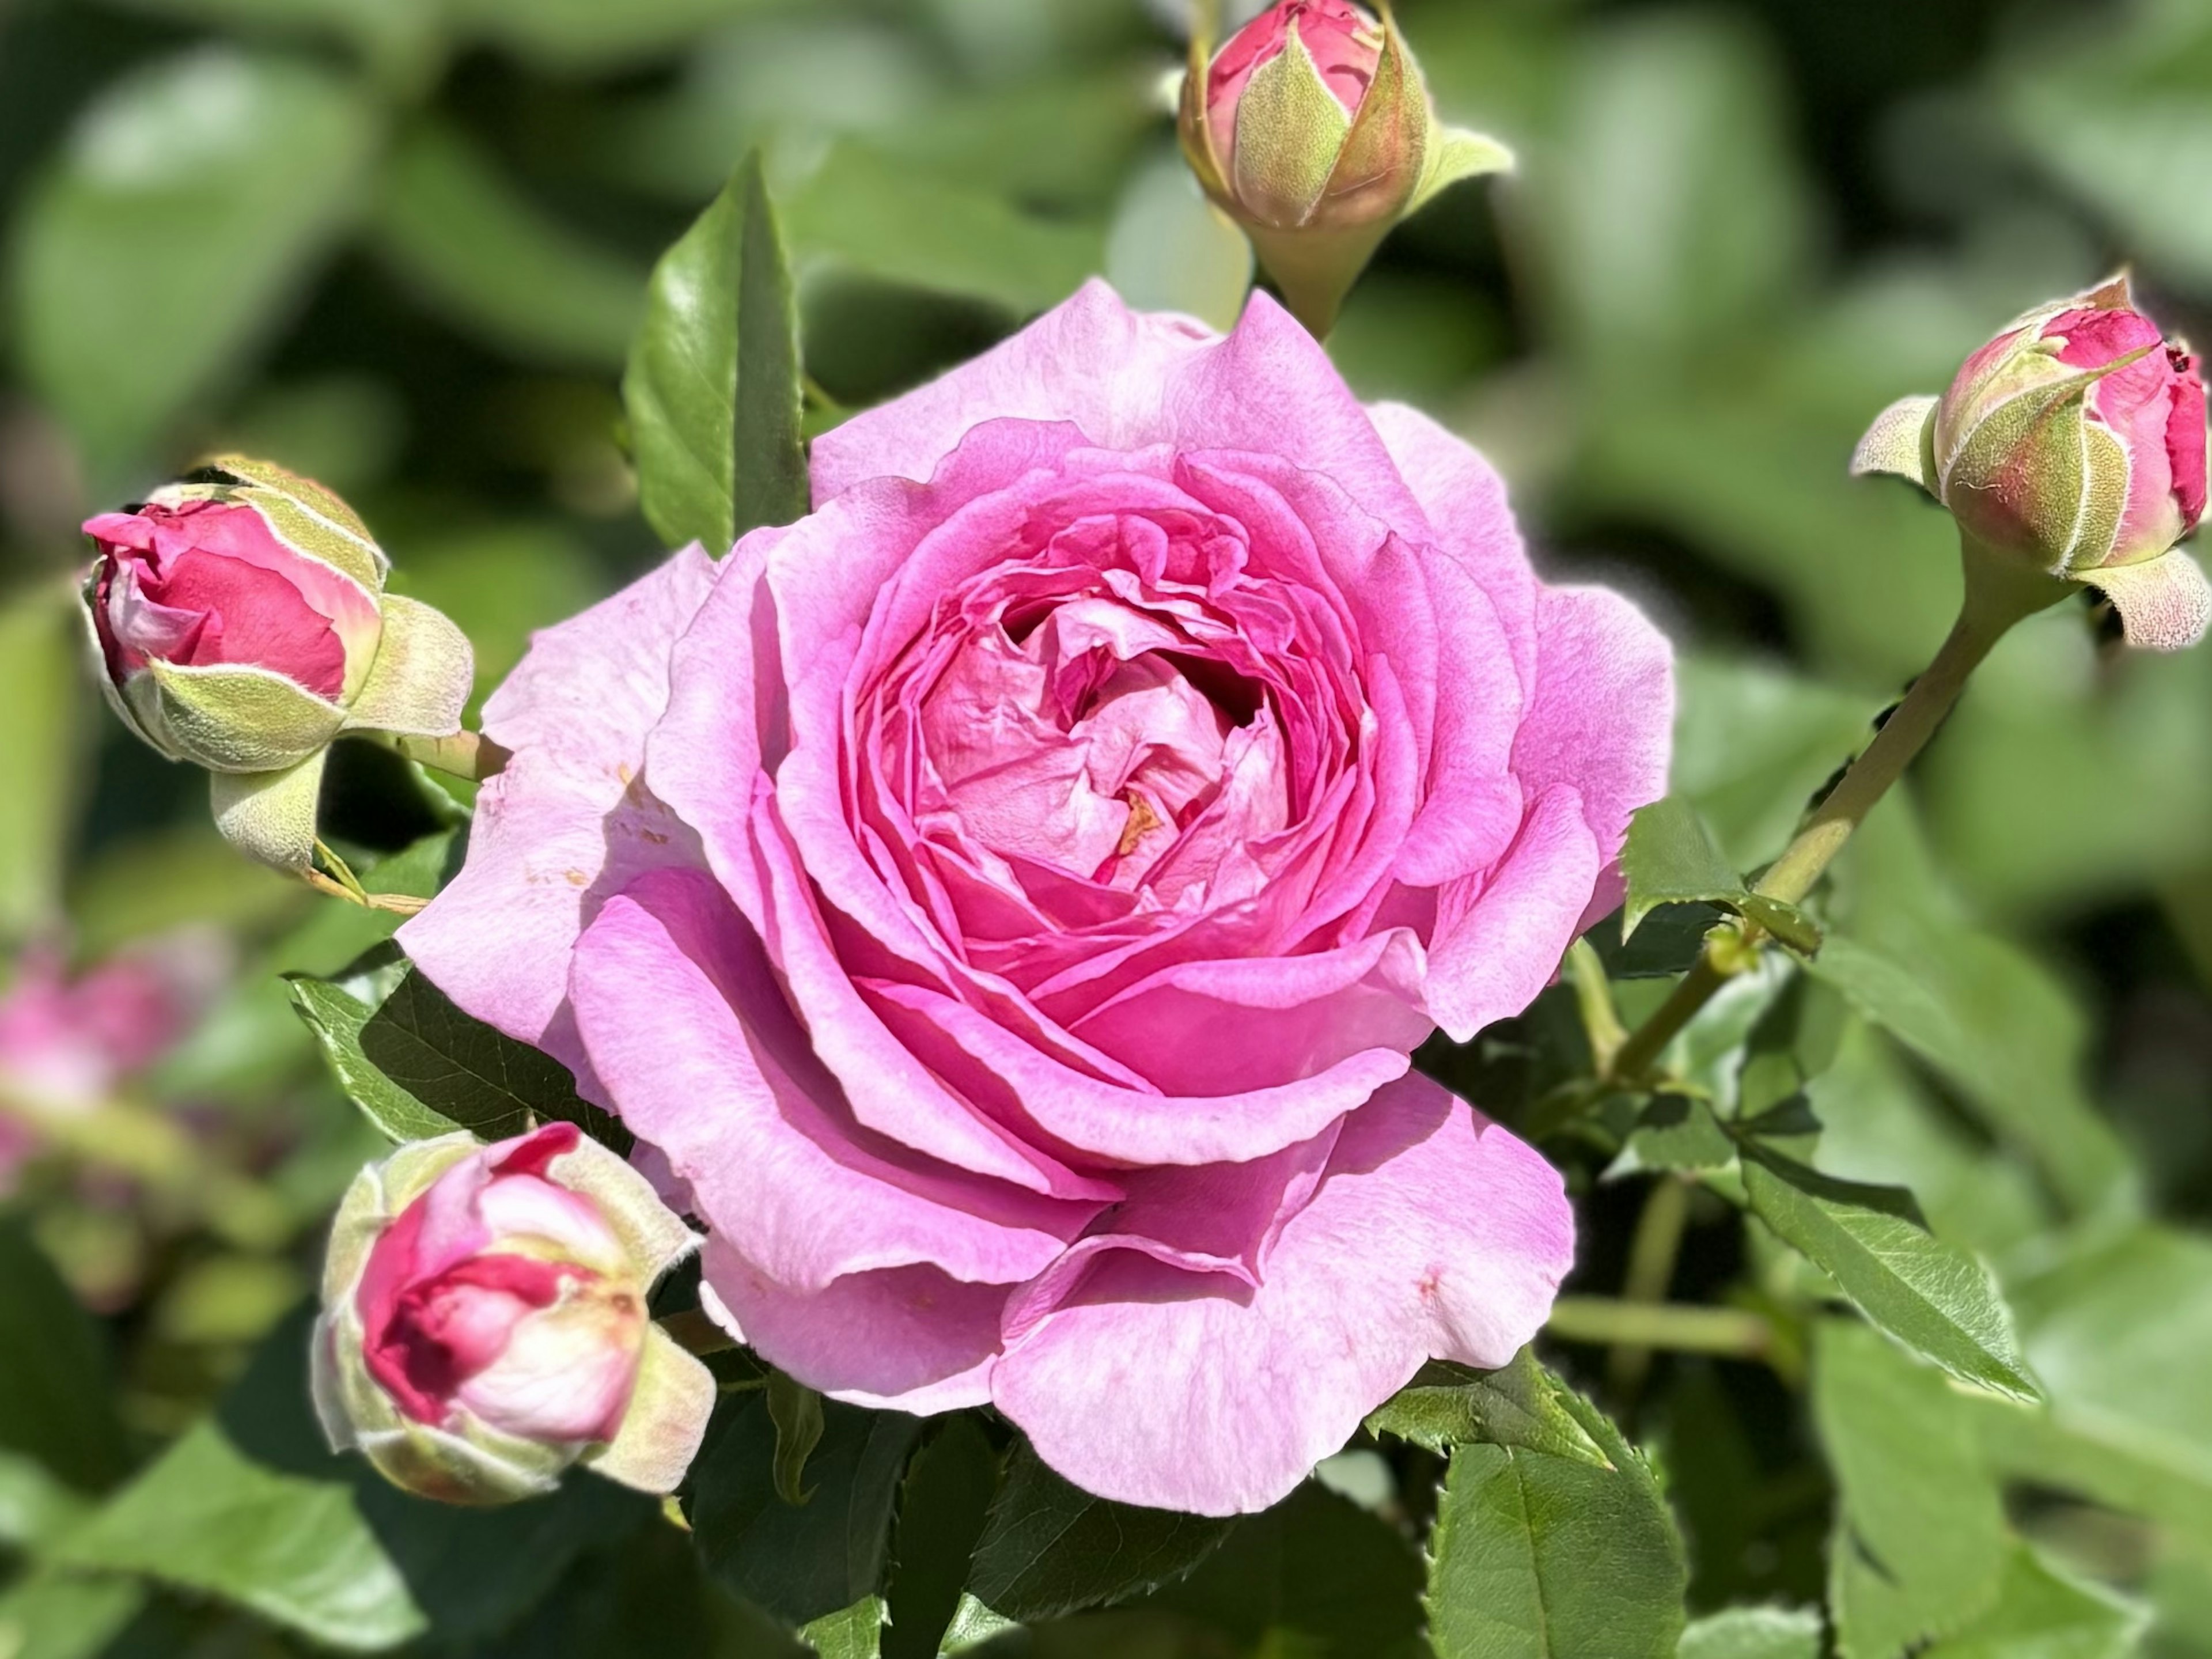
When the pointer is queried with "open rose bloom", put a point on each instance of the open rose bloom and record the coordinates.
(1007, 898)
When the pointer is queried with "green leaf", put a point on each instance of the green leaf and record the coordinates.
(796, 1411)
(1050, 1548)
(337, 1019)
(1996, 1024)
(1669, 941)
(949, 1486)
(464, 1071)
(42, 687)
(54, 1616)
(1920, 1534)
(2042, 1611)
(1316, 1576)
(854, 1632)
(2111, 1329)
(35, 1505)
(1670, 857)
(498, 264)
(713, 388)
(1676, 1132)
(242, 169)
(251, 1506)
(55, 1398)
(1536, 1557)
(873, 214)
(1754, 1633)
(1521, 1405)
(799, 1564)
(1932, 1297)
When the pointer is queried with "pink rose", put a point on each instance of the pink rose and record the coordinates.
(1008, 896)
(67, 1044)
(201, 583)
(485, 1321)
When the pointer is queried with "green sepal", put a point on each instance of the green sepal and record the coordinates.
(423, 676)
(271, 816)
(669, 1406)
(1290, 131)
(230, 717)
(1901, 441)
(1384, 158)
(2165, 602)
(1454, 154)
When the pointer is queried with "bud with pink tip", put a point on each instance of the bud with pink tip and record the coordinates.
(2072, 444)
(240, 622)
(485, 1324)
(1311, 127)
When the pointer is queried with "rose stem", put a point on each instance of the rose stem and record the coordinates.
(1998, 594)
(1652, 1255)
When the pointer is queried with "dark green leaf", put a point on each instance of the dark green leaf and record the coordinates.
(796, 1411)
(55, 1400)
(940, 1515)
(713, 388)
(1919, 1538)
(337, 1019)
(1666, 941)
(1317, 1576)
(251, 1506)
(461, 234)
(464, 1069)
(800, 1562)
(242, 169)
(1536, 1557)
(1932, 1297)
(1051, 1548)
(1754, 1633)
(1670, 857)
(2043, 1613)
(876, 216)
(1520, 1404)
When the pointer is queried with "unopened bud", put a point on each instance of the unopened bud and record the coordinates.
(485, 1323)
(241, 623)
(1312, 129)
(2072, 444)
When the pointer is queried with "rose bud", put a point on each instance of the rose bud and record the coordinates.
(1312, 129)
(485, 1322)
(2073, 443)
(241, 623)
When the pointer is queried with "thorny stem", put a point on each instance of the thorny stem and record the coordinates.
(1998, 594)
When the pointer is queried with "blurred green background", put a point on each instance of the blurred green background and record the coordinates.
(401, 245)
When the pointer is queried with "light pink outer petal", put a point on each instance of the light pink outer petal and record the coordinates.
(1130, 380)
(690, 1035)
(563, 828)
(905, 1338)
(1434, 1233)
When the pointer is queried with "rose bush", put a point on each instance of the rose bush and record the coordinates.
(1007, 898)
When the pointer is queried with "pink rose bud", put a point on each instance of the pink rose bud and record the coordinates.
(2072, 443)
(1312, 129)
(241, 623)
(485, 1322)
